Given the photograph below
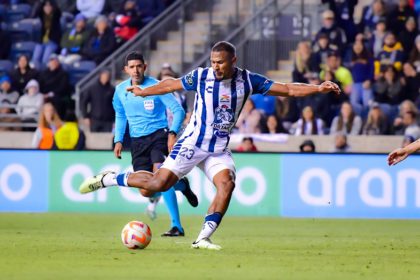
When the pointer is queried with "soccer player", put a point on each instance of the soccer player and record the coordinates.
(401, 154)
(221, 92)
(150, 138)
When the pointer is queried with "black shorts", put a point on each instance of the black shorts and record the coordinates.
(149, 149)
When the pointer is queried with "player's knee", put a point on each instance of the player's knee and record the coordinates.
(227, 186)
(158, 185)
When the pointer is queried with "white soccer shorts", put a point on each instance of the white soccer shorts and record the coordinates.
(184, 158)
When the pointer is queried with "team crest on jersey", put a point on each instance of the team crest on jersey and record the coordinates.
(223, 121)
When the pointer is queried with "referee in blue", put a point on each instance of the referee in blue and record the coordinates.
(151, 139)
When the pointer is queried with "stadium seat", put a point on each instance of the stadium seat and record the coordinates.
(35, 25)
(79, 69)
(19, 48)
(20, 31)
(3, 10)
(5, 66)
(18, 12)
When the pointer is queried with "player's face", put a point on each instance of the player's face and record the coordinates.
(135, 69)
(223, 64)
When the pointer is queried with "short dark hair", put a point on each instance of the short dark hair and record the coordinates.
(224, 46)
(248, 139)
(135, 55)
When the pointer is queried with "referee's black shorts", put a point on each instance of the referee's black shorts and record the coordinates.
(149, 149)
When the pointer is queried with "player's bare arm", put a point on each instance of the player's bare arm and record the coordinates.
(401, 154)
(299, 89)
(166, 86)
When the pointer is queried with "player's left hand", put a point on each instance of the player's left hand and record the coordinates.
(136, 91)
(329, 86)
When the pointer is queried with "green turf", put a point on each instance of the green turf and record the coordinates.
(81, 246)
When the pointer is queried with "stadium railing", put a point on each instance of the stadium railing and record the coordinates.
(15, 121)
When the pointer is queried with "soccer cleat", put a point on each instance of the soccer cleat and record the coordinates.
(173, 232)
(205, 243)
(93, 183)
(188, 193)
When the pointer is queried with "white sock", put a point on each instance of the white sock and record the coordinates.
(209, 227)
(110, 179)
(152, 206)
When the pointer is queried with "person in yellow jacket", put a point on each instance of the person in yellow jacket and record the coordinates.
(391, 54)
(70, 136)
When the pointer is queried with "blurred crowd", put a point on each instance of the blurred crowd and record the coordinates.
(376, 62)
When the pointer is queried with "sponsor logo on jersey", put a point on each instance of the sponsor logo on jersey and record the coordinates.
(225, 98)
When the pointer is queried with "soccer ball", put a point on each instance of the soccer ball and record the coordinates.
(136, 235)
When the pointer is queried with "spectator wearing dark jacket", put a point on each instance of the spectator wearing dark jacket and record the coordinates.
(100, 117)
(399, 15)
(49, 14)
(128, 21)
(336, 35)
(408, 36)
(22, 74)
(101, 42)
(6, 44)
(55, 84)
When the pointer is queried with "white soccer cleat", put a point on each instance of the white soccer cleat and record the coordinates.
(205, 243)
(93, 183)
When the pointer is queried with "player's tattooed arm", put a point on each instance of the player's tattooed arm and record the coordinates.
(300, 89)
(166, 86)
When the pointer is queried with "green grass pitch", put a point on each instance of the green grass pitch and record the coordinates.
(88, 246)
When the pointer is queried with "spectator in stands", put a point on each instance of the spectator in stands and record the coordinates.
(287, 111)
(69, 136)
(339, 73)
(250, 119)
(408, 139)
(371, 15)
(48, 123)
(73, 41)
(6, 43)
(399, 15)
(30, 103)
(343, 11)
(321, 49)
(247, 145)
(90, 9)
(274, 125)
(304, 64)
(362, 72)
(411, 82)
(307, 146)
(408, 36)
(101, 42)
(336, 35)
(376, 41)
(405, 106)
(391, 54)
(7, 94)
(347, 122)
(149, 9)
(98, 98)
(340, 144)
(410, 125)
(55, 84)
(49, 14)
(167, 70)
(128, 21)
(376, 123)
(414, 58)
(23, 74)
(308, 124)
(388, 91)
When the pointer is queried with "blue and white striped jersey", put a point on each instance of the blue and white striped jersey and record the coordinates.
(218, 104)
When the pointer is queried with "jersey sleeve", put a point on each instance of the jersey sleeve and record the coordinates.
(190, 81)
(260, 84)
(120, 118)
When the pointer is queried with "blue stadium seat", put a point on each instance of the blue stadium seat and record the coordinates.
(3, 10)
(19, 48)
(6, 66)
(79, 69)
(20, 31)
(18, 12)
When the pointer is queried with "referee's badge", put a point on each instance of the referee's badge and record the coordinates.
(149, 105)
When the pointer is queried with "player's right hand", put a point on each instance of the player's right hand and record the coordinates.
(136, 91)
(117, 150)
(397, 156)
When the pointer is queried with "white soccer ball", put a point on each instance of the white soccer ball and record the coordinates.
(136, 235)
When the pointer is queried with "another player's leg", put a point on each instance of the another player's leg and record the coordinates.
(172, 204)
(225, 184)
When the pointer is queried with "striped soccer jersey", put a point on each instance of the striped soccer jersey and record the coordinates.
(217, 105)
